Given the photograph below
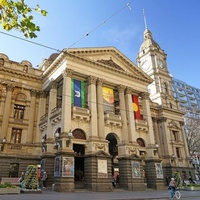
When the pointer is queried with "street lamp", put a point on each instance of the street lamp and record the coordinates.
(44, 145)
(58, 140)
(70, 135)
(3, 144)
(173, 158)
(156, 149)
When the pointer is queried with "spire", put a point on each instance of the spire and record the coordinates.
(145, 21)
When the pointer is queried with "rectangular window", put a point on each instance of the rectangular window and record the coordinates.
(175, 136)
(16, 135)
(19, 111)
(178, 153)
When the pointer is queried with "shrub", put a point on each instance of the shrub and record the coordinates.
(7, 185)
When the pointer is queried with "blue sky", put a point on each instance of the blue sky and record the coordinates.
(175, 25)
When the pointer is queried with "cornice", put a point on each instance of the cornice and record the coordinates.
(143, 79)
(19, 74)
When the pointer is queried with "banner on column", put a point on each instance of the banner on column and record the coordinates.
(136, 107)
(108, 99)
(78, 93)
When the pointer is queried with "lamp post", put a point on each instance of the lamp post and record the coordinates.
(156, 149)
(70, 135)
(173, 158)
(58, 140)
(3, 144)
(44, 145)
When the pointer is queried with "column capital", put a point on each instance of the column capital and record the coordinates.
(33, 93)
(68, 72)
(10, 87)
(53, 85)
(100, 81)
(129, 90)
(121, 88)
(145, 96)
(92, 80)
(42, 94)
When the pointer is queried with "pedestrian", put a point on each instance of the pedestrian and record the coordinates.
(117, 180)
(44, 179)
(21, 179)
(113, 181)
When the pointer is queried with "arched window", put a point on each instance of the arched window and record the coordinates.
(141, 142)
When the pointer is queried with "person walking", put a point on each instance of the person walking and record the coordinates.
(113, 181)
(44, 179)
(21, 179)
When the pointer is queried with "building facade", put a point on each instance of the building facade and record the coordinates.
(89, 113)
(188, 96)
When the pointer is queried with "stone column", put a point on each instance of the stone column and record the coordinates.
(147, 116)
(52, 104)
(121, 89)
(100, 109)
(66, 102)
(41, 112)
(31, 121)
(6, 112)
(130, 115)
(186, 151)
(92, 101)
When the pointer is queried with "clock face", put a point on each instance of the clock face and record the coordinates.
(160, 63)
(145, 65)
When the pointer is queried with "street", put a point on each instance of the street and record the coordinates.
(48, 194)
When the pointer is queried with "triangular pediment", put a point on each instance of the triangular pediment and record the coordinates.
(112, 58)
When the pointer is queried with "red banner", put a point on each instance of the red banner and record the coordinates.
(136, 107)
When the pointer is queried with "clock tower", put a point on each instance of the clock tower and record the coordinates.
(152, 60)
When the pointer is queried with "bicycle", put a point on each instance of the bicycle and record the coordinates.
(175, 194)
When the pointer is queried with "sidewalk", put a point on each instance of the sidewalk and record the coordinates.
(117, 194)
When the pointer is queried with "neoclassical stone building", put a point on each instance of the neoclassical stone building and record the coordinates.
(89, 113)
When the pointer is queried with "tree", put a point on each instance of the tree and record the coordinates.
(17, 15)
(192, 129)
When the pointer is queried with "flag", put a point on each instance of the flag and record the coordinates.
(78, 93)
(136, 107)
(108, 99)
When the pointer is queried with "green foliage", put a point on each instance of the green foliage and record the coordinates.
(177, 177)
(17, 15)
(31, 179)
(7, 185)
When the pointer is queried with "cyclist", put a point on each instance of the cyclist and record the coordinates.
(172, 187)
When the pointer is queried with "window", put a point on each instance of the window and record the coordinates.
(14, 170)
(178, 153)
(141, 142)
(175, 136)
(19, 111)
(16, 135)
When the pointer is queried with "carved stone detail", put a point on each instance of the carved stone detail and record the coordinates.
(54, 85)
(10, 87)
(145, 96)
(33, 93)
(92, 80)
(121, 88)
(100, 82)
(68, 73)
(129, 90)
(42, 94)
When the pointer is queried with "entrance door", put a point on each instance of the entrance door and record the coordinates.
(79, 165)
